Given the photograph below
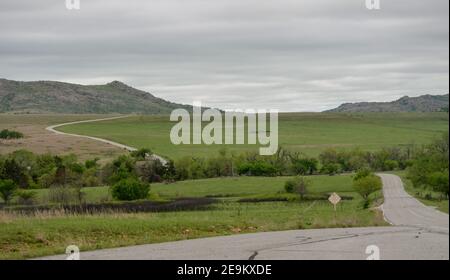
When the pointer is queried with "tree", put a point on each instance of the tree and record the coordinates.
(26, 197)
(390, 165)
(365, 186)
(439, 182)
(130, 189)
(305, 166)
(298, 185)
(7, 190)
(13, 171)
(430, 165)
(362, 173)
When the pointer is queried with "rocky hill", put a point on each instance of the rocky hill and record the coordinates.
(424, 103)
(58, 97)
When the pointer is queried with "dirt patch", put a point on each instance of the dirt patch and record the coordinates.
(38, 140)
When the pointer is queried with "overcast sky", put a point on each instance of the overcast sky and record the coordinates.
(291, 55)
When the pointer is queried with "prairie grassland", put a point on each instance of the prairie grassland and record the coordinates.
(309, 133)
(50, 232)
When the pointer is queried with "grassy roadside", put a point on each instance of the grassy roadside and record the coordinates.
(44, 234)
(427, 197)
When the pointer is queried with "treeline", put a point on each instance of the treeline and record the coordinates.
(31, 171)
(429, 168)
(427, 165)
(284, 163)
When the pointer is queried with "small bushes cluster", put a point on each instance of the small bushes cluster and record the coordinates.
(430, 167)
(10, 134)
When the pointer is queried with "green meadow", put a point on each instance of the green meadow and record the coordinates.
(309, 133)
(45, 234)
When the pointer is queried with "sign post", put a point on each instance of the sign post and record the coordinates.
(334, 199)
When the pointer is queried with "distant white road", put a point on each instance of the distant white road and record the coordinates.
(52, 128)
(418, 233)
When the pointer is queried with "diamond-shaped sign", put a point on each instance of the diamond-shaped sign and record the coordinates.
(334, 198)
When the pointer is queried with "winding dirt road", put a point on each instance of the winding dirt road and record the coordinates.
(52, 128)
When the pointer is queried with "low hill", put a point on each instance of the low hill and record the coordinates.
(424, 103)
(58, 97)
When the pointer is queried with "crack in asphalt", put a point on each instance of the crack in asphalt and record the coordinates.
(252, 257)
(409, 229)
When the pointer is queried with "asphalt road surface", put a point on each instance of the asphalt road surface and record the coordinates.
(418, 233)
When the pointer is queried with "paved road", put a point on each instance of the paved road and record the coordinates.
(418, 232)
(121, 146)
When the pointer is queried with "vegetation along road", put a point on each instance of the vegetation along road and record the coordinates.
(418, 232)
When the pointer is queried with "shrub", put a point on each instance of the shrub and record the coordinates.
(257, 168)
(7, 190)
(130, 189)
(362, 173)
(141, 154)
(331, 169)
(305, 166)
(10, 134)
(439, 182)
(26, 197)
(297, 185)
(390, 165)
(61, 195)
(366, 186)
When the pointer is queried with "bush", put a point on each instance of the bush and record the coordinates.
(130, 189)
(305, 166)
(10, 134)
(390, 165)
(331, 169)
(362, 173)
(141, 154)
(439, 182)
(7, 190)
(366, 186)
(26, 197)
(258, 168)
(297, 185)
(62, 195)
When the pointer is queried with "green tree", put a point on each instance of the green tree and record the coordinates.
(439, 182)
(298, 185)
(130, 189)
(305, 166)
(7, 190)
(365, 186)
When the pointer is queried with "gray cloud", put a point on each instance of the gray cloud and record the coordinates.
(294, 55)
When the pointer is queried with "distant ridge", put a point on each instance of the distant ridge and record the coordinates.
(59, 97)
(424, 103)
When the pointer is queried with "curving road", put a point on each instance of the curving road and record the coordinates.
(52, 128)
(418, 233)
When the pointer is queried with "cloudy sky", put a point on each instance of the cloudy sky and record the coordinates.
(292, 55)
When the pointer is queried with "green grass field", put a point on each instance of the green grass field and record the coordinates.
(228, 187)
(24, 237)
(310, 133)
